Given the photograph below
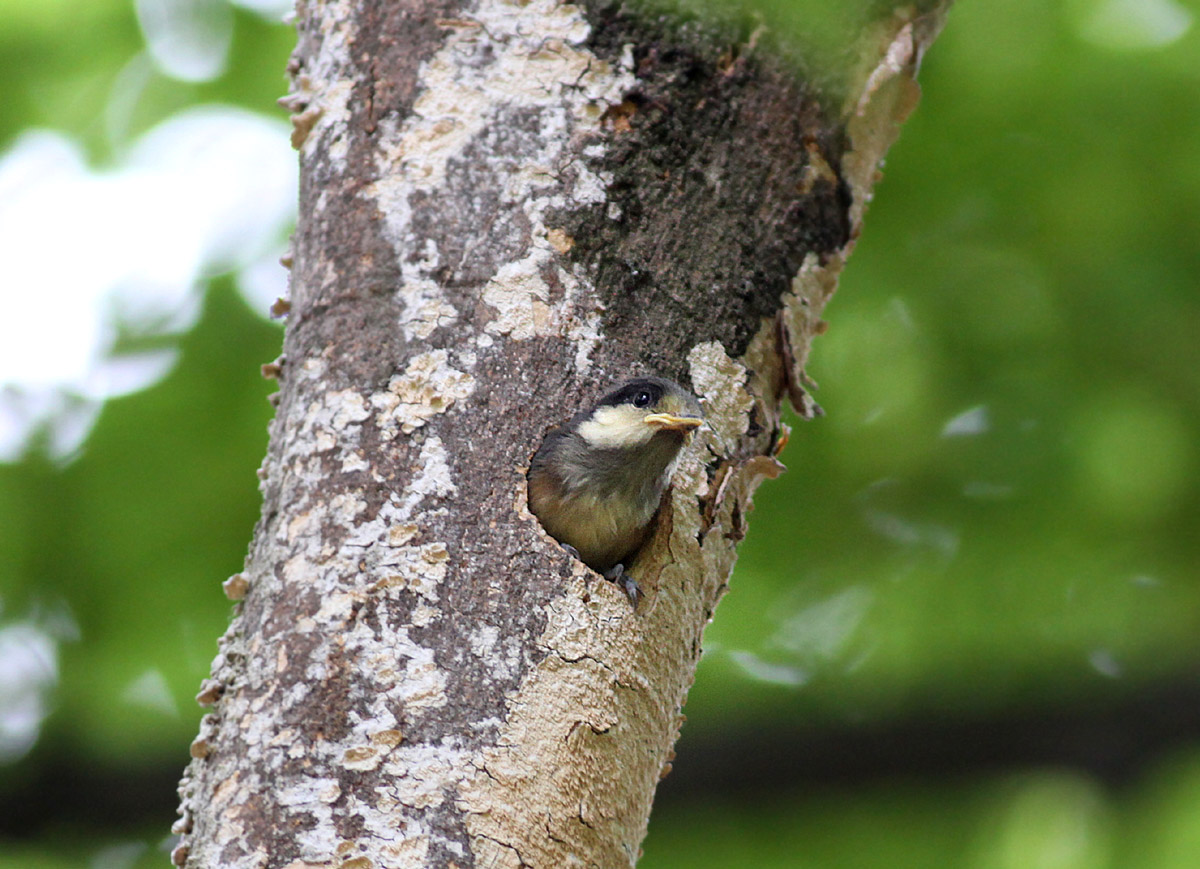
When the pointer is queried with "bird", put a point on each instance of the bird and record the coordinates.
(597, 480)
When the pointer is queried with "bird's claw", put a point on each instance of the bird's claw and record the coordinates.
(627, 583)
(616, 575)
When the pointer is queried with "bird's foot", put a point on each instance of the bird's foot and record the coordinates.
(616, 574)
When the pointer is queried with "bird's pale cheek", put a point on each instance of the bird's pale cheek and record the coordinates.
(614, 434)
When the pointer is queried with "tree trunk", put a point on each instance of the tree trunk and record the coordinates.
(506, 208)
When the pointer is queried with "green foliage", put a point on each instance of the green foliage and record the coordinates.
(80, 67)
(997, 514)
(133, 537)
(1029, 262)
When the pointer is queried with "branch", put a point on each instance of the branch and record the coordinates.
(504, 209)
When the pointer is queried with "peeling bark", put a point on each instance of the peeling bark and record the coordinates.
(506, 207)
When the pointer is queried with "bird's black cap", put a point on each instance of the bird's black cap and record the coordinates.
(657, 387)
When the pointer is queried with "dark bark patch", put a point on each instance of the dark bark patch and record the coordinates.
(388, 50)
(724, 177)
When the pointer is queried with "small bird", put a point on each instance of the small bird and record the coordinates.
(597, 480)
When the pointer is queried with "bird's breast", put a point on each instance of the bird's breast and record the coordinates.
(602, 529)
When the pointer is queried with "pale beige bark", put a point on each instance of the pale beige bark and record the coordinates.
(505, 208)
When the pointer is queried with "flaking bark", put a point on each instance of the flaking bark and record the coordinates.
(504, 209)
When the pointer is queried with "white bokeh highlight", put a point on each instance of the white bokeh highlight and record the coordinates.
(28, 672)
(1132, 25)
(208, 191)
(188, 39)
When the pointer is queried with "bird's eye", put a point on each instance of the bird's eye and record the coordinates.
(641, 399)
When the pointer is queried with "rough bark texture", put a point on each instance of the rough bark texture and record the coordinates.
(505, 208)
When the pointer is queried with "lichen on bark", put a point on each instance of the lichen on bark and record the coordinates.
(505, 207)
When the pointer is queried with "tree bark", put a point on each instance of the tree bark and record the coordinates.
(505, 208)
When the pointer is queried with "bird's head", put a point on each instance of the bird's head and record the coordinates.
(638, 410)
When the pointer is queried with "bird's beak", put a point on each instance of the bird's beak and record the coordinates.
(670, 422)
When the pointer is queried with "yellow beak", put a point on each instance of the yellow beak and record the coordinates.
(669, 422)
